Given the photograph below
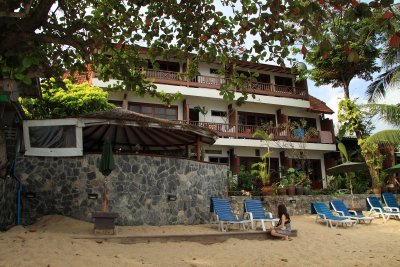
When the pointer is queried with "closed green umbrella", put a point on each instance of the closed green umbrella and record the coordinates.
(106, 166)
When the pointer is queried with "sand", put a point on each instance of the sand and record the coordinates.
(52, 242)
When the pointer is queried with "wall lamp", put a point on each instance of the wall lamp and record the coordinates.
(171, 197)
(92, 196)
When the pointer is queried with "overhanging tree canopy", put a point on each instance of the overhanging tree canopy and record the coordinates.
(42, 38)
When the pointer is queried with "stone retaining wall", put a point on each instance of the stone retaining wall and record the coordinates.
(138, 188)
(8, 202)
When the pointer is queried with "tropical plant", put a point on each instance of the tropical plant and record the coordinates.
(245, 180)
(201, 110)
(263, 168)
(374, 160)
(296, 177)
(58, 102)
(390, 59)
(388, 113)
(384, 138)
(391, 76)
(353, 120)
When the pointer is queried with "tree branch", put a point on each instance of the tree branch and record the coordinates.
(38, 17)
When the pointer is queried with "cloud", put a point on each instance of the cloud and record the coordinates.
(331, 96)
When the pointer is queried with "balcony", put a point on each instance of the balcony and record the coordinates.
(277, 133)
(212, 82)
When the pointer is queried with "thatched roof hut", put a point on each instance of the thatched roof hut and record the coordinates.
(131, 131)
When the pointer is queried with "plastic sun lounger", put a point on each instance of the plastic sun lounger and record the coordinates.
(254, 210)
(225, 216)
(377, 210)
(390, 202)
(324, 214)
(342, 211)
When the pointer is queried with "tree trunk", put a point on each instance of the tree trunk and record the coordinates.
(346, 90)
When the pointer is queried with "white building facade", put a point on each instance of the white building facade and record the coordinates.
(278, 101)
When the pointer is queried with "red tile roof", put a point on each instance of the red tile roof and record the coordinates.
(319, 106)
(79, 78)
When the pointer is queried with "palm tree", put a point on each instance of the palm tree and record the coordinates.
(263, 169)
(388, 113)
(386, 138)
(391, 115)
(390, 61)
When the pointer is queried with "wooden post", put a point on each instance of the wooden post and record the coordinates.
(187, 68)
(198, 148)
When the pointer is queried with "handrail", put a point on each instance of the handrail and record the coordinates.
(247, 131)
(214, 82)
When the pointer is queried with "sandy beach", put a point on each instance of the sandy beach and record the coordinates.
(52, 242)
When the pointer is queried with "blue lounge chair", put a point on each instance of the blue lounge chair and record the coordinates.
(390, 202)
(324, 214)
(254, 210)
(225, 216)
(342, 211)
(376, 209)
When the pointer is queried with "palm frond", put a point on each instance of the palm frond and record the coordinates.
(263, 134)
(343, 151)
(385, 138)
(388, 113)
(377, 89)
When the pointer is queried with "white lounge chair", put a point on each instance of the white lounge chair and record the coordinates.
(377, 210)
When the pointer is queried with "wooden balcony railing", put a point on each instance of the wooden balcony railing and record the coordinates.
(276, 133)
(177, 78)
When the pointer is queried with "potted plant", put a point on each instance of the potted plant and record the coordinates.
(282, 187)
(263, 168)
(291, 176)
(301, 181)
(260, 170)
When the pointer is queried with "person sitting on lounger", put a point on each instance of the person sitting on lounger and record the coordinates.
(283, 228)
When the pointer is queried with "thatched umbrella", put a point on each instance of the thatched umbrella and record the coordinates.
(130, 131)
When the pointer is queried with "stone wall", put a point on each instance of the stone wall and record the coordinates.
(299, 205)
(138, 188)
(8, 202)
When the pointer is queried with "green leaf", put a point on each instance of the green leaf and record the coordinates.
(26, 62)
(343, 151)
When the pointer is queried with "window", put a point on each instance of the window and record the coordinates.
(222, 160)
(117, 103)
(62, 136)
(53, 138)
(211, 151)
(218, 113)
(194, 115)
(246, 118)
(264, 78)
(158, 111)
(213, 71)
(165, 65)
(283, 81)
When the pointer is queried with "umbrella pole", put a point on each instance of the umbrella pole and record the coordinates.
(105, 196)
(351, 191)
